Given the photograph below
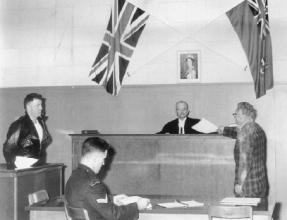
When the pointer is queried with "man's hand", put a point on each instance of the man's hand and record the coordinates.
(238, 189)
(118, 199)
(220, 129)
(143, 203)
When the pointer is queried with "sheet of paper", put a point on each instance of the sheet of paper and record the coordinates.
(193, 203)
(129, 199)
(240, 201)
(24, 162)
(172, 205)
(205, 126)
(180, 204)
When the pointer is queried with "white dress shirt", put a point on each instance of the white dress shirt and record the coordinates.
(181, 124)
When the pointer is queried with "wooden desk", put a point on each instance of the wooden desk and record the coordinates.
(54, 210)
(201, 166)
(15, 185)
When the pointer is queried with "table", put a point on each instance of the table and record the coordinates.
(54, 210)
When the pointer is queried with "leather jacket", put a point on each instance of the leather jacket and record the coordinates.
(23, 140)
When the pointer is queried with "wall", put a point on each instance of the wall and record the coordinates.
(137, 110)
(55, 42)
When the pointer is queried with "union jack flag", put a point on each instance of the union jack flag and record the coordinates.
(259, 9)
(123, 31)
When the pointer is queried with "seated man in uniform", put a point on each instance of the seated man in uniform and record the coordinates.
(183, 124)
(84, 188)
(28, 135)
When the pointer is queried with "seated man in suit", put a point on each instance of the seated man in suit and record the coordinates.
(183, 124)
(84, 188)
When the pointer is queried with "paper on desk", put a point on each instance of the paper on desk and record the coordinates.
(24, 162)
(129, 199)
(179, 204)
(205, 126)
(125, 200)
(240, 201)
(193, 203)
(172, 205)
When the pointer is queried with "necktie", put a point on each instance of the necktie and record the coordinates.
(181, 130)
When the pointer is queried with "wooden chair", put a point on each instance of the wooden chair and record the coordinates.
(230, 212)
(73, 213)
(40, 196)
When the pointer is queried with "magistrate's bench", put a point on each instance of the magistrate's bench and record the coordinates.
(201, 166)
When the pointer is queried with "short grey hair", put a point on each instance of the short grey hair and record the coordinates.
(247, 109)
(181, 101)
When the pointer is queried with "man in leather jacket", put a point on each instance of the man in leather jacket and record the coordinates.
(28, 135)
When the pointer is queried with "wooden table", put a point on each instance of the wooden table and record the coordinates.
(54, 210)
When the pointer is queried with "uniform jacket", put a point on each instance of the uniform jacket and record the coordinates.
(85, 190)
(172, 127)
(23, 140)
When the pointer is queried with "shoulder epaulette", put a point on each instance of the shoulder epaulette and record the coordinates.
(93, 183)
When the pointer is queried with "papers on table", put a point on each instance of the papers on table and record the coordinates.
(125, 200)
(129, 199)
(181, 204)
(240, 201)
(205, 126)
(24, 162)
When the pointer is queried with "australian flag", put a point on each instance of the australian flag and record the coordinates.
(123, 31)
(250, 20)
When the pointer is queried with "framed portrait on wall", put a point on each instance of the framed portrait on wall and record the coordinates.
(189, 66)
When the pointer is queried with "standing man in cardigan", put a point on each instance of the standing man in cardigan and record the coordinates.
(249, 154)
(182, 124)
(28, 135)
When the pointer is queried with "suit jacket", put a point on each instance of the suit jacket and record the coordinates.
(23, 140)
(172, 127)
(84, 189)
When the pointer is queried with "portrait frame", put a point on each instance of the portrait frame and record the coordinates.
(188, 66)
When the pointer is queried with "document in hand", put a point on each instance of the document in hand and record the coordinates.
(125, 200)
(129, 199)
(24, 162)
(205, 126)
(181, 204)
(240, 201)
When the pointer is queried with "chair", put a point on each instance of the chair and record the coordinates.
(275, 211)
(40, 196)
(230, 212)
(73, 213)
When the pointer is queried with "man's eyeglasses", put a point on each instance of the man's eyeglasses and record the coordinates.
(234, 114)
